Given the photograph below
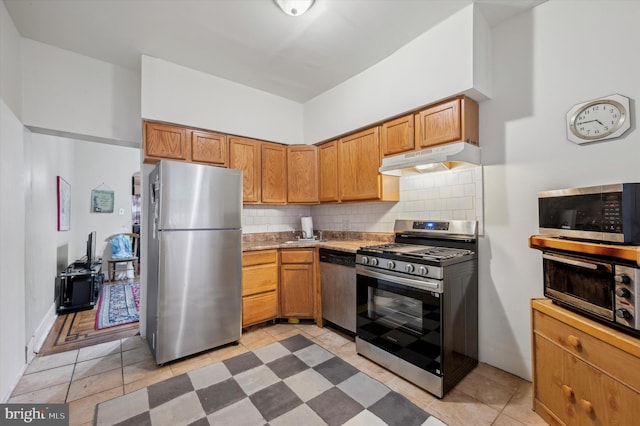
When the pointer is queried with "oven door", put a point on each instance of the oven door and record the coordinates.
(400, 319)
(583, 283)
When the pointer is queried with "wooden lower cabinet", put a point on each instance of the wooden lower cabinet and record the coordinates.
(297, 283)
(259, 286)
(584, 373)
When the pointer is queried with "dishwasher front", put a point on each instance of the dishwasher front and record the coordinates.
(338, 281)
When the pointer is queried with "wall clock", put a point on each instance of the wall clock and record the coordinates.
(598, 119)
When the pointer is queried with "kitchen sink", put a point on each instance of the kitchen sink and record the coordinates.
(305, 240)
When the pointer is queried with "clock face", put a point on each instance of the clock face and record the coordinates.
(599, 119)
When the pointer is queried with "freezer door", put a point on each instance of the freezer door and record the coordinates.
(199, 292)
(196, 196)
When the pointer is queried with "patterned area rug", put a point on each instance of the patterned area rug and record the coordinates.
(119, 304)
(291, 382)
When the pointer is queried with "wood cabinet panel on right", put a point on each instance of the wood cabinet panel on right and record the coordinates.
(359, 155)
(583, 372)
(449, 121)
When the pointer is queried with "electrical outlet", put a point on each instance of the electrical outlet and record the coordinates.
(345, 224)
(121, 211)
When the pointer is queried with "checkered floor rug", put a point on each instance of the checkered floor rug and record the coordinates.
(291, 382)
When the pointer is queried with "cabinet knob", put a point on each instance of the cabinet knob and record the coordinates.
(574, 341)
(586, 406)
(567, 391)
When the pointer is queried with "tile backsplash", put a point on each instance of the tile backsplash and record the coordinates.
(452, 194)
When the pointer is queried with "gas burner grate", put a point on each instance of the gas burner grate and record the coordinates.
(419, 251)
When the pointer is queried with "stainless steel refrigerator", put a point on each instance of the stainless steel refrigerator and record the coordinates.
(194, 264)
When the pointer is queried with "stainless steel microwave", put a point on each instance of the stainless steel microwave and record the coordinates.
(606, 213)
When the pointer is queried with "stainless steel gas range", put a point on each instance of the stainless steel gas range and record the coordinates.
(417, 302)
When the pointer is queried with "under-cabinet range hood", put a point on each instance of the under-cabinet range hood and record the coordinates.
(442, 157)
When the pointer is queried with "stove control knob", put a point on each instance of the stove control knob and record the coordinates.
(622, 278)
(364, 260)
(623, 292)
(409, 268)
(423, 270)
(623, 313)
(374, 262)
(391, 264)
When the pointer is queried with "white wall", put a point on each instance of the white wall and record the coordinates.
(176, 94)
(12, 210)
(44, 161)
(436, 65)
(73, 94)
(545, 61)
(96, 164)
(85, 166)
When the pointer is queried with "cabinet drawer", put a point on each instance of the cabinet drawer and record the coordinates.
(259, 308)
(250, 258)
(259, 279)
(616, 362)
(296, 256)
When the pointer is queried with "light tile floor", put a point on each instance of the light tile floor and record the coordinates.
(85, 377)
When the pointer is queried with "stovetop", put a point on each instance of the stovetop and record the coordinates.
(417, 251)
(422, 249)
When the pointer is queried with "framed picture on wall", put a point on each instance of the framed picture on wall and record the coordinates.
(102, 201)
(64, 204)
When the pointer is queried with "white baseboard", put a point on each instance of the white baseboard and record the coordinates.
(40, 335)
(12, 386)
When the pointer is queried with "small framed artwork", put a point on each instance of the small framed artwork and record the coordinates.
(102, 201)
(64, 204)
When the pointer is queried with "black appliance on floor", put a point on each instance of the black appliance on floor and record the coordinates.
(78, 288)
(417, 302)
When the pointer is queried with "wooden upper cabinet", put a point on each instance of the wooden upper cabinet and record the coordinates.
(165, 141)
(274, 173)
(328, 153)
(208, 147)
(302, 174)
(397, 136)
(450, 121)
(359, 155)
(244, 154)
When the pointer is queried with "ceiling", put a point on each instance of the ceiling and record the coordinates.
(251, 42)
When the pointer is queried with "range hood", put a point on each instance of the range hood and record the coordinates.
(442, 157)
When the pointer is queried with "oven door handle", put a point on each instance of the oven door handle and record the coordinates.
(417, 284)
(574, 262)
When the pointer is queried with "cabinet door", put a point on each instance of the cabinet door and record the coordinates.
(329, 171)
(439, 124)
(259, 308)
(208, 147)
(244, 154)
(359, 155)
(296, 290)
(553, 383)
(302, 174)
(274, 173)
(397, 136)
(165, 141)
(601, 400)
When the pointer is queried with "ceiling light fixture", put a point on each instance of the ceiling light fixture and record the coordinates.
(294, 7)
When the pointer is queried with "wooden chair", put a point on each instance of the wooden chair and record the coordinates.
(111, 263)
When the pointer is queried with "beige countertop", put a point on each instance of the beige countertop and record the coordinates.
(341, 245)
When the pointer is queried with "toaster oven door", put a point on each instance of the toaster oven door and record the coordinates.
(583, 283)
